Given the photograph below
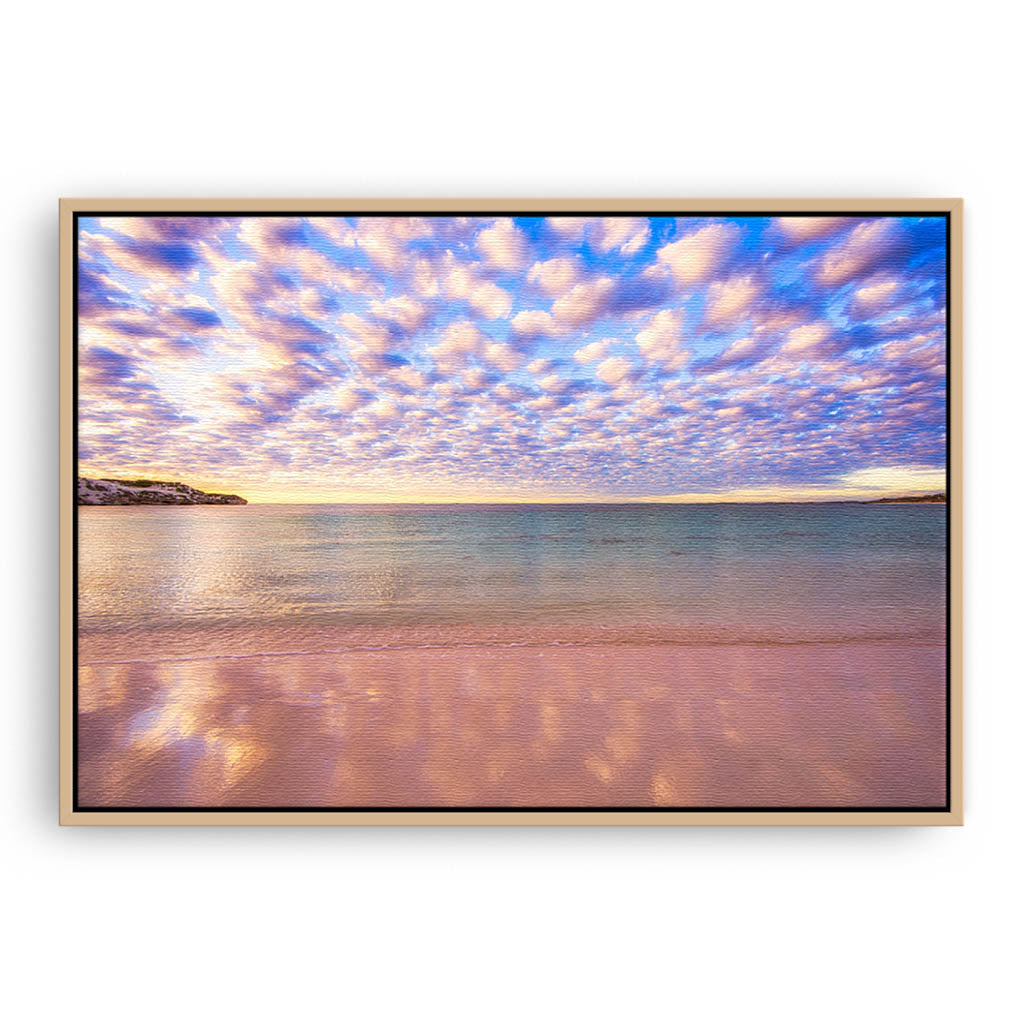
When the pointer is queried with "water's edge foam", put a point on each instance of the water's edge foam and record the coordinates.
(503, 645)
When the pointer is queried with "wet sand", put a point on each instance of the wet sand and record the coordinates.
(850, 724)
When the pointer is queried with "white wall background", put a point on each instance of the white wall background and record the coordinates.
(771, 99)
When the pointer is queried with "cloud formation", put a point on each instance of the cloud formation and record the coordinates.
(314, 358)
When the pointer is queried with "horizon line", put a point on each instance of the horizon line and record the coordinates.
(909, 498)
(934, 489)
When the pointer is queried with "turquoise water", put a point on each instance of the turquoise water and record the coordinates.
(329, 576)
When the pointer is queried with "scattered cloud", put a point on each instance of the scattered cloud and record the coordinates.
(876, 296)
(700, 253)
(615, 369)
(627, 235)
(569, 228)
(803, 340)
(503, 245)
(870, 245)
(555, 276)
(728, 302)
(612, 356)
(459, 341)
(661, 340)
(594, 350)
(584, 303)
(804, 229)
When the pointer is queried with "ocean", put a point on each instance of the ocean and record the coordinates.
(512, 655)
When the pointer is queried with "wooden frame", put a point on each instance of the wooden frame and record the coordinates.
(952, 815)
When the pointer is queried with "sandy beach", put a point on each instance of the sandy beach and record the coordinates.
(814, 724)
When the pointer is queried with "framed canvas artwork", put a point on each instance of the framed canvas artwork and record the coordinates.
(511, 511)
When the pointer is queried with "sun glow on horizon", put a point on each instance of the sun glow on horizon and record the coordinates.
(864, 485)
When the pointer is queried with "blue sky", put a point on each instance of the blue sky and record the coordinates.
(497, 358)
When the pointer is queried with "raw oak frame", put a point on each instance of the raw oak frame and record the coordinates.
(953, 814)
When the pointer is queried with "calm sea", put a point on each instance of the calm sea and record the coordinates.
(194, 581)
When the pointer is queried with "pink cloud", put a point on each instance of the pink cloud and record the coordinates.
(801, 341)
(877, 296)
(661, 341)
(804, 229)
(739, 350)
(863, 248)
(729, 302)
(504, 246)
(555, 276)
(696, 256)
(459, 341)
(595, 350)
(503, 356)
(583, 303)
(384, 239)
(374, 337)
(626, 234)
(532, 322)
(614, 370)
(569, 228)
(402, 310)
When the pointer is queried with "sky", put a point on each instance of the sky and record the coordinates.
(495, 358)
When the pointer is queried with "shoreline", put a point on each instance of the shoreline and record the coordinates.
(522, 645)
(237, 643)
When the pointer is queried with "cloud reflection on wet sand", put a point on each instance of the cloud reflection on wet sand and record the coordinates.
(853, 724)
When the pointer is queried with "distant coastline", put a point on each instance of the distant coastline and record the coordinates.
(113, 491)
(108, 491)
(926, 499)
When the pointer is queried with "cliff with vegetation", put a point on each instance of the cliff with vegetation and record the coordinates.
(147, 492)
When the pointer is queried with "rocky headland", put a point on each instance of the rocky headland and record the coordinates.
(104, 491)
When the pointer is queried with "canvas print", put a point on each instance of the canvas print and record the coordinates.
(492, 510)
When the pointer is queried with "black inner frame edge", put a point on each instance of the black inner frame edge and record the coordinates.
(77, 807)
